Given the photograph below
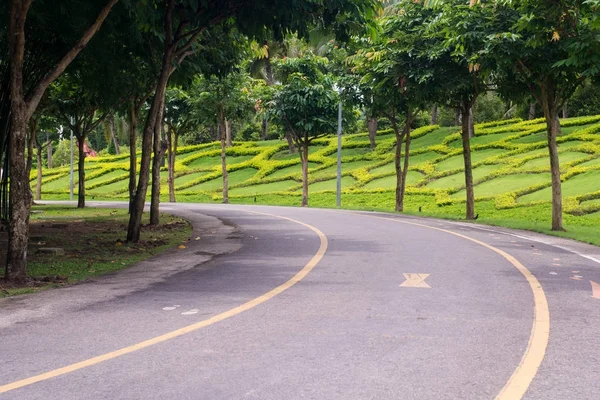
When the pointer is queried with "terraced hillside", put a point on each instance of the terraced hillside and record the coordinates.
(511, 172)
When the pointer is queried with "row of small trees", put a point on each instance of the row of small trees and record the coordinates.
(128, 65)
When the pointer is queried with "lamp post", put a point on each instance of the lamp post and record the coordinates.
(72, 180)
(338, 200)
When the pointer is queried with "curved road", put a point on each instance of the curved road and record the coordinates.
(287, 303)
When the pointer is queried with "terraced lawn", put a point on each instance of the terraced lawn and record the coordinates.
(277, 190)
(504, 184)
(587, 182)
(263, 188)
(347, 182)
(563, 158)
(457, 162)
(458, 180)
(390, 182)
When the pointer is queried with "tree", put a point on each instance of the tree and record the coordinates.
(216, 99)
(549, 50)
(463, 69)
(179, 119)
(306, 104)
(24, 99)
(398, 74)
(182, 23)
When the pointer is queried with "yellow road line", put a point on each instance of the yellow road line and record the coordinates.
(187, 329)
(535, 352)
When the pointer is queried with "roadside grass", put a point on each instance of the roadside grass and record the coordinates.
(511, 175)
(93, 243)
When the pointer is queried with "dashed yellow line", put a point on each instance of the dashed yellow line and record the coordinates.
(190, 328)
(535, 352)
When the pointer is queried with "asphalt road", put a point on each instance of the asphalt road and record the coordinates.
(287, 303)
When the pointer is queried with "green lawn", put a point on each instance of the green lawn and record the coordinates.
(579, 184)
(458, 180)
(508, 183)
(390, 182)
(456, 162)
(347, 181)
(563, 158)
(280, 186)
(438, 189)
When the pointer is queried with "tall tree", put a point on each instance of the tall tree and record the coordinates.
(24, 99)
(306, 104)
(182, 23)
(549, 50)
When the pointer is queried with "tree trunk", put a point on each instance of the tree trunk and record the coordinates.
(466, 144)
(553, 130)
(172, 149)
(372, 126)
(304, 159)
(135, 218)
(132, 153)
(50, 163)
(532, 111)
(30, 146)
(565, 110)
(457, 118)
(111, 127)
(20, 113)
(81, 172)
(471, 123)
(38, 186)
(402, 171)
(222, 134)
(434, 114)
(157, 163)
(291, 145)
(264, 128)
(228, 133)
(399, 206)
(20, 201)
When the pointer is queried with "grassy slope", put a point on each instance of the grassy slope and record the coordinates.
(511, 175)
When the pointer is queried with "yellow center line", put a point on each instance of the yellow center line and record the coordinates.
(535, 352)
(187, 329)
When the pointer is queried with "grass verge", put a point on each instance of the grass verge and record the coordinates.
(93, 243)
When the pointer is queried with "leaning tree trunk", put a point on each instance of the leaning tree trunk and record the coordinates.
(303, 150)
(38, 185)
(222, 134)
(132, 153)
(290, 141)
(50, 163)
(157, 162)
(372, 127)
(172, 138)
(81, 172)
(553, 130)
(532, 111)
(135, 218)
(20, 200)
(466, 144)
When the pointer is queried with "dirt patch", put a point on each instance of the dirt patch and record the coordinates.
(91, 246)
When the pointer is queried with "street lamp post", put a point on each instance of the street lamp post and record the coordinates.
(338, 200)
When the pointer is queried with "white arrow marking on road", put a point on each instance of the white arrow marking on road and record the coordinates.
(595, 290)
(415, 280)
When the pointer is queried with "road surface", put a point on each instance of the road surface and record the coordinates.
(287, 303)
